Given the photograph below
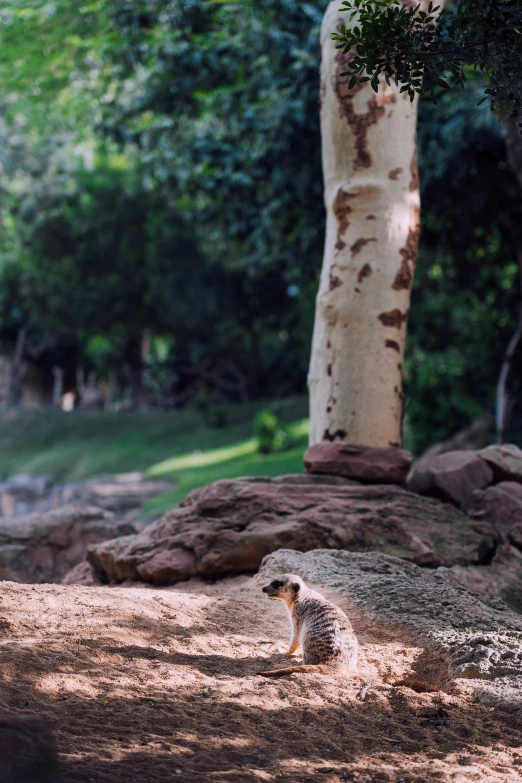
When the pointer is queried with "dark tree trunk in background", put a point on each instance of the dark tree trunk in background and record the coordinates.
(15, 372)
(505, 402)
(134, 366)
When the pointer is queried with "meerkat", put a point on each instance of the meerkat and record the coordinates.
(324, 631)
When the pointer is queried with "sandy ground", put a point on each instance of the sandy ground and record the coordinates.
(144, 685)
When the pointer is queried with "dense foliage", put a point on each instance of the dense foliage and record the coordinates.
(419, 48)
(163, 220)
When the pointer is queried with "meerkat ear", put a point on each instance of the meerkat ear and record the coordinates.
(296, 587)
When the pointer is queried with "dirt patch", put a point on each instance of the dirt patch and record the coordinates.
(158, 685)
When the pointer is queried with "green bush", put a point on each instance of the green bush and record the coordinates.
(270, 433)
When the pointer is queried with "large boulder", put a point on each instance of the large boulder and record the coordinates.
(28, 752)
(452, 476)
(501, 505)
(368, 464)
(44, 547)
(229, 526)
(505, 461)
(473, 641)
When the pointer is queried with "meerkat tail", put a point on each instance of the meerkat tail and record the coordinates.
(318, 668)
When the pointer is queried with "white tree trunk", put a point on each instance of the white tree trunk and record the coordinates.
(372, 233)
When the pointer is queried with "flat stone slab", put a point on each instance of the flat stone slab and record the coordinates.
(368, 464)
(475, 640)
(228, 527)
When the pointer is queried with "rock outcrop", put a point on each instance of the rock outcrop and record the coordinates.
(44, 547)
(464, 638)
(368, 464)
(229, 526)
(501, 578)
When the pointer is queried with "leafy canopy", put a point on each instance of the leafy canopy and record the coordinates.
(421, 50)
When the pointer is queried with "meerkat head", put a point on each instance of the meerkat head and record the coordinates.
(285, 587)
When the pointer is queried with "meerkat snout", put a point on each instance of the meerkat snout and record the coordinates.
(324, 631)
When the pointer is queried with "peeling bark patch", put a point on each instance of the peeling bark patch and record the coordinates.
(395, 173)
(364, 271)
(342, 210)
(359, 244)
(393, 318)
(359, 123)
(404, 276)
(392, 344)
(414, 171)
(329, 370)
(337, 435)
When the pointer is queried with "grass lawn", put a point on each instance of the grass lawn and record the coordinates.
(176, 445)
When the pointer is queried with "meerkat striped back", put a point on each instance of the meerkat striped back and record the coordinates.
(326, 633)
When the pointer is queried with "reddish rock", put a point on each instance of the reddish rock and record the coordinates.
(501, 505)
(505, 461)
(82, 574)
(28, 751)
(44, 547)
(368, 464)
(452, 476)
(229, 526)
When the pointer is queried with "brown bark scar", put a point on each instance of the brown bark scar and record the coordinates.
(404, 276)
(364, 271)
(359, 244)
(357, 291)
(370, 217)
(392, 344)
(329, 370)
(337, 435)
(393, 318)
(335, 282)
(359, 123)
(414, 171)
(342, 210)
(395, 173)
